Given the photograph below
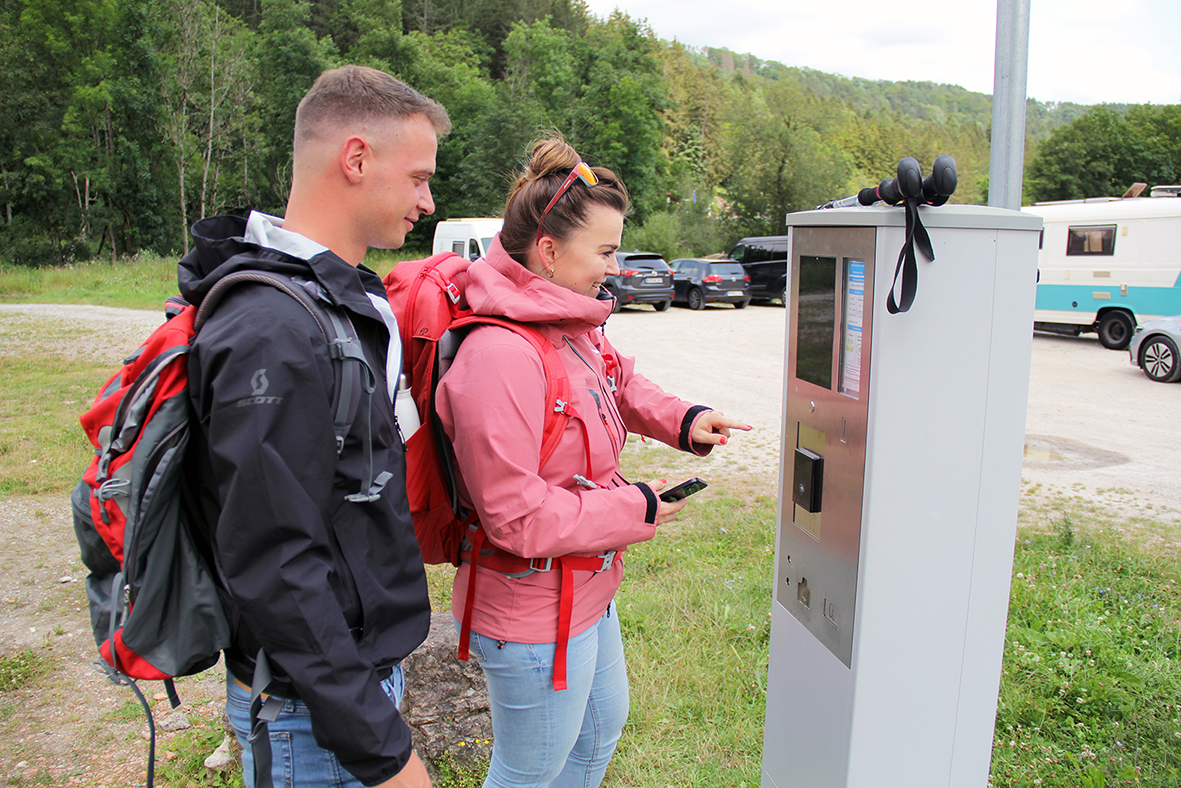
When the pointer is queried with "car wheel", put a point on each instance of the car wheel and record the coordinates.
(660, 306)
(742, 304)
(1159, 359)
(783, 294)
(1115, 330)
(616, 306)
(696, 300)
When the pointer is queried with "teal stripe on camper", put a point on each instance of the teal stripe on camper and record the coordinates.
(1138, 301)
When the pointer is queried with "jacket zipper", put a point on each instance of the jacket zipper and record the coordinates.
(612, 433)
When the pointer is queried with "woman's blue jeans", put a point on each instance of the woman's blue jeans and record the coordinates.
(296, 759)
(545, 738)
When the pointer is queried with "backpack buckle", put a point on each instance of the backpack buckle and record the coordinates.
(545, 565)
(560, 407)
(608, 559)
(452, 292)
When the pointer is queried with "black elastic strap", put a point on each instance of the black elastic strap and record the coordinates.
(262, 712)
(907, 265)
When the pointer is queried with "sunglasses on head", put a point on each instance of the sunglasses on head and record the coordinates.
(581, 172)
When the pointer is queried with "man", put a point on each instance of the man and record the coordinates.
(331, 590)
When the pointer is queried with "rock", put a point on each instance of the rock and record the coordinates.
(446, 703)
(176, 721)
(222, 758)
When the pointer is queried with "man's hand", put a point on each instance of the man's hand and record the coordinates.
(413, 775)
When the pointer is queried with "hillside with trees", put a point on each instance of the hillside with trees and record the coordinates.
(127, 120)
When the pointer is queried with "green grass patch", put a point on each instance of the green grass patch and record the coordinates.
(142, 281)
(42, 447)
(180, 760)
(1092, 668)
(695, 609)
(22, 669)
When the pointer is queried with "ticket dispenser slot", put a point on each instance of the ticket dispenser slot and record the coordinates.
(826, 406)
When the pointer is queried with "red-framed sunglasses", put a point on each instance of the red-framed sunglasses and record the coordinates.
(583, 172)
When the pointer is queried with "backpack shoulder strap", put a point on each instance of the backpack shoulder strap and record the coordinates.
(352, 379)
(557, 382)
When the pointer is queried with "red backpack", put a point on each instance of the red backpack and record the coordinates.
(428, 303)
(153, 581)
(427, 298)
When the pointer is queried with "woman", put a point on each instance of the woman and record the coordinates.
(548, 637)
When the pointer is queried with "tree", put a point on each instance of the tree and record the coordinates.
(289, 58)
(1102, 154)
(783, 157)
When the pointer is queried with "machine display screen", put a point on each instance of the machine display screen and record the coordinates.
(817, 320)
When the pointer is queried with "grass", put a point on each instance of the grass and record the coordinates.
(22, 669)
(42, 448)
(1091, 682)
(141, 281)
(181, 762)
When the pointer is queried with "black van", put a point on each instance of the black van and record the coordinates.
(765, 262)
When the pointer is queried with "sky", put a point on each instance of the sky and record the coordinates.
(1082, 51)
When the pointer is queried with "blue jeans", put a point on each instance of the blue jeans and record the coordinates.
(545, 738)
(296, 759)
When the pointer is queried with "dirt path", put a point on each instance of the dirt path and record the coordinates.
(1096, 429)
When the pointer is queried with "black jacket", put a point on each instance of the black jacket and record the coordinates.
(334, 591)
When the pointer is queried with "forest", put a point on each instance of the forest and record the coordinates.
(127, 120)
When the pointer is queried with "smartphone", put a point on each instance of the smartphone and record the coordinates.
(682, 490)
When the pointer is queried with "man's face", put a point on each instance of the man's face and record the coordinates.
(399, 192)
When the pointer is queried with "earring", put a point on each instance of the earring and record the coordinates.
(549, 270)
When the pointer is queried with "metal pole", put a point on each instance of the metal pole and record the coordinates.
(1007, 157)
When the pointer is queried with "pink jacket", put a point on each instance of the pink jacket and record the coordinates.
(491, 404)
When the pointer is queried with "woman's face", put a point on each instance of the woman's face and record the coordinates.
(583, 260)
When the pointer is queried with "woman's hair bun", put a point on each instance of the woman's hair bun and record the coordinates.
(549, 156)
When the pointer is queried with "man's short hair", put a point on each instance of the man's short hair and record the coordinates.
(356, 95)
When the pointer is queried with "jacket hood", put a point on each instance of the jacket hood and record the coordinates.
(220, 248)
(500, 286)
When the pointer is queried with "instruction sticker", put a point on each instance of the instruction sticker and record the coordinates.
(854, 315)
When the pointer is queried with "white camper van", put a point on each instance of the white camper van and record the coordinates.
(466, 237)
(1108, 263)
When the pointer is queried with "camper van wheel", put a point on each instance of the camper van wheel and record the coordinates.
(1115, 330)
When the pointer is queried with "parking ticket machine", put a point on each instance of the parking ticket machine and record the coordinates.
(899, 483)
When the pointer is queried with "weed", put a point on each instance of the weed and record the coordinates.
(183, 761)
(21, 669)
(129, 711)
(451, 774)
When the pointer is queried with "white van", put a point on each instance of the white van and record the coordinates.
(466, 237)
(1108, 263)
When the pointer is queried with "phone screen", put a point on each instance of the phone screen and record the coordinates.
(683, 490)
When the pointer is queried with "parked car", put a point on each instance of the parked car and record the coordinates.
(697, 282)
(765, 260)
(643, 278)
(1154, 348)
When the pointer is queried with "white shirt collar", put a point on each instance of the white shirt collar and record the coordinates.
(267, 231)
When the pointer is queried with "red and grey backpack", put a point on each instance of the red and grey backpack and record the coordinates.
(433, 315)
(153, 581)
